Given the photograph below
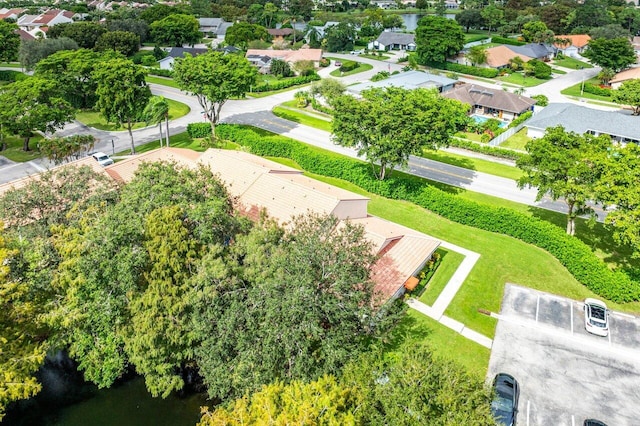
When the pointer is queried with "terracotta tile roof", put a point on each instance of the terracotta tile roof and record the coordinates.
(24, 35)
(289, 55)
(280, 32)
(625, 75)
(499, 56)
(123, 171)
(577, 40)
(473, 94)
(20, 183)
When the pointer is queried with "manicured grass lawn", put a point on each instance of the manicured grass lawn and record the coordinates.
(572, 63)
(95, 120)
(469, 135)
(445, 343)
(477, 164)
(162, 80)
(519, 79)
(273, 92)
(517, 141)
(470, 37)
(181, 140)
(450, 260)
(362, 67)
(382, 57)
(558, 71)
(575, 90)
(298, 116)
(14, 150)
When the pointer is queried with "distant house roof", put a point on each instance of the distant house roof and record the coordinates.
(580, 119)
(124, 171)
(178, 52)
(499, 56)
(473, 94)
(387, 38)
(625, 75)
(577, 40)
(280, 32)
(406, 80)
(228, 49)
(11, 13)
(288, 55)
(532, 50)
(24, 35)
(217, 26)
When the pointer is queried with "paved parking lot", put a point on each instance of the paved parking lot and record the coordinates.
(566, 374)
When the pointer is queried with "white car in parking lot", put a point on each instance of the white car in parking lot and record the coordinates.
(596, 317)
(102, 158)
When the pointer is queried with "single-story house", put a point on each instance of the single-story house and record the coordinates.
(622, 76)
(289, 56)
(278, 34)
(534, 50)
(491, 102)
(388, 40)
(47, 19)
(500, 57)
(571, 45)
(214, 27)
(408, 80)
(11, 13)
(321, 30)
(262, 62)
(620, 125)
(166, 63)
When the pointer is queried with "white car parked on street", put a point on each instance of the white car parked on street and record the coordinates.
(596, 317)
(102, 158)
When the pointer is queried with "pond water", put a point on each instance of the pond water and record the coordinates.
(67, 401)
(411, 19)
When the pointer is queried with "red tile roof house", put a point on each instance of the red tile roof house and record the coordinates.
(258, 186)
(289, 56)
(622, 76)
(50, 18)
(571, 45)
(278, 34)
(491, 102)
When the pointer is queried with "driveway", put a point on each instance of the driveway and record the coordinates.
(566, 374)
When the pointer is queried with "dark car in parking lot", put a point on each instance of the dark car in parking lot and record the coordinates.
(593, 422)
(504, 405)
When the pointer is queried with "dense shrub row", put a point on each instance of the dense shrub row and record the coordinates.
(596, 90)
(505, 40)
(485, 149)
(199, 130)
(465, 69)
(576, 256)
(348, 66)
(159, 72)
(521, 119)
(11, 75)
(284, 84)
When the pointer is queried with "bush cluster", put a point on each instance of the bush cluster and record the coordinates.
(485, 149)
(505, 40)
(465, 69)
(283, 84)
(199, 130)
(521, 119)
(348, 66)
(11, 75)
(160, 72)
(575, 255)
(596, 90)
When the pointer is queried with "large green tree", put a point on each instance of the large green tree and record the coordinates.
(34, 104)
(616, 54)
(537, 32)
(493, 16)
(619, 189)
(122, 93)
(565, 165)
(157, 111)
(124, 42)
(214, 78)
(470, 18)
(340, 37)
(438, 38)
(629, 94)
(60, 150)
(176, 30)
(86, 34)
(241, 34)
(9, 41)
(33, 51)
(388, 125)
(73, 70)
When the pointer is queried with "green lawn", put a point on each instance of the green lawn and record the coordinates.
(571, 63)
(301, 117)
(14, 150)
(95, 120)
(165, 81)
(10, 65)
(558, 71)
(273, 92)
(576, 90)
(469, 135)
(450, 260)
(477, 164)
(362, 67)
(377, 57)
(519, 79)
(472, 36)
(181, 140)
(517, 141)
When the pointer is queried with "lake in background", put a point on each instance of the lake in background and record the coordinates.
(411, 19)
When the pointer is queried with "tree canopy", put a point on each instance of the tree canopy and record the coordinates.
(388, 125)
(629, 94)
(123, 42)
(176, 30)
(241, 34)
(616, 53)
(214, 78)
(9, 41)
(438, 38)
(86, 34)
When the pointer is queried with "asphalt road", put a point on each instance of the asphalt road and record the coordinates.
(565, 374)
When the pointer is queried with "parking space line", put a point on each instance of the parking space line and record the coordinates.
(537, 308)
(573, 420)
(528, 410)
(571, 308)
(609, 336)
(620, 314)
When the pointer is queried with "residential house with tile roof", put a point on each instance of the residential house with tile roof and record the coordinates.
(620, 125)
(389, 40)
(214, 27)
(258, 57)
(173, 53)
(31, 23)
(491, 102)
(571, 45)
(501, 56)
(408, 80)
(533, 50)
(622, 76)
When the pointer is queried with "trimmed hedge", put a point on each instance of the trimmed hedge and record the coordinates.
(465, 69)
(199, 130)
(521, 119)
(348, 66)
(284, 84)
(505, 40)
(159, 72)
(486, 149)
(596, 90)
(576, 256)
(11, 75)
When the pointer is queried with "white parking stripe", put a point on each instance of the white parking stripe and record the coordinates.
(571, 307)
(537, 307)
(528, 409)
(573, 420)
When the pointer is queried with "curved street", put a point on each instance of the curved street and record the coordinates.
(257, 112)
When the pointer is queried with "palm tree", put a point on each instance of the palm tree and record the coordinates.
(477, 55)
(156, 111)
(606, 75)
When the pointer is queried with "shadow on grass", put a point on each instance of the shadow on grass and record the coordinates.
(447, 159)
(406, 331)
